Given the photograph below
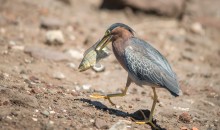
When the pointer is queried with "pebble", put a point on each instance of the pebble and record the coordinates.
(161, 104)
(184, 128)
(38, 52)
(58, 75)
(194, 128)
(86, 86)
(35, 90)
(51, 122)
(119, 107)
(8, 117)
(12, 43)
(77, 87)
(50, 23)
(17, 47)
(185, 117)
(71, 65)
(45, 112)
(98, 68)
(54, 37)
(52, 112)
(181, 108)
(91, 120)
(137, 99)
(101, 124)
(197, 28)
(208, 103)
(121, 125)
(34, 119)
(4, 101)
(74, 54)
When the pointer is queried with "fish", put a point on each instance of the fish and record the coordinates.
(91, 57)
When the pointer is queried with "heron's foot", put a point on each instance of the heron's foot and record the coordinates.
(146, 122)
(96, 95)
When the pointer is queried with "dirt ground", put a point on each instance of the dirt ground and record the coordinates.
(43, 91)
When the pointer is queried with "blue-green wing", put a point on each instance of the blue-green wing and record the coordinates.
(146, 64)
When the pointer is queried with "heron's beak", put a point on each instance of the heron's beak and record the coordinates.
(103, 42)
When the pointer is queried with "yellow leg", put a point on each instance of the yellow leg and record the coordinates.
(108, 96)
(149, 120)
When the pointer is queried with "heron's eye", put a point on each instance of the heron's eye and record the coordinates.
(107, 32)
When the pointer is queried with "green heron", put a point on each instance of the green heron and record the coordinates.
(145, 65)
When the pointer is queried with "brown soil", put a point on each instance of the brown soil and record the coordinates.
(31, 98)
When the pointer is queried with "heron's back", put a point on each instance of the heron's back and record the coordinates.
(146, 65)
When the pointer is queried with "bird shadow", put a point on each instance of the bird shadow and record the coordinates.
(137, 115)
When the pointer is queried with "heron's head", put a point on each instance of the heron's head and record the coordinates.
(116, 30)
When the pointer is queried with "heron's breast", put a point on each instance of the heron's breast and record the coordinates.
(119, 48)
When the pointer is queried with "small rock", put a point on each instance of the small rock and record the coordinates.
(184, 128)
(20, 99)
(54, 91)
(45, 112)
(161, 104)
(119, 107)
(86, 86)
(27, 61)
(34, 79)
(14, 113)
(52, 112)
(137, 99)
(74, 54)
(185, 117)
(58, 75)
(208, 103)
(92, 120)
(134, 91)
(54, 37)
(17, 47)
(71, 65)
(98, 68)
(194, 128)
(48, 54)
(197, 28)
(101, 124)
(34, 119)
(187, 56)
(50, 23)
(60, 116)
(51, 122)
(12, 43)
(4, 101)
(77, 87)
(8, 117)
(120, 125)
(74, 93)
(35, 90)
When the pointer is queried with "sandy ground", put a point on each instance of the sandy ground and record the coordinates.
(43, 92)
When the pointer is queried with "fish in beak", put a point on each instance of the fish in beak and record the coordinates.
(103, 42)
(92, 56)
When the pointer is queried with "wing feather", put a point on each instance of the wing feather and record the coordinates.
(146, 64)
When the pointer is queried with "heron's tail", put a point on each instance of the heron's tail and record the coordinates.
(171, 84)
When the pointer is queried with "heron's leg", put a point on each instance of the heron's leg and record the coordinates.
(108, 96)
(149, 120)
